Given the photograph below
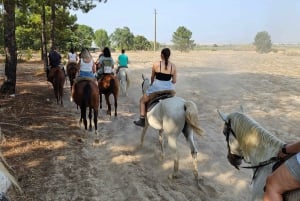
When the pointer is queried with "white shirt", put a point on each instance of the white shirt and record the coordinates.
(87, 67)
(72, 57)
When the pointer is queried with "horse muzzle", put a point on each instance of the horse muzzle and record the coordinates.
(234, 160)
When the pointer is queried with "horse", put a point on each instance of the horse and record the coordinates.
(86, 95)
(72, 71)
(124, 81)
(109, 84)
(171, 117)
(57, 77)
(6, 178)
(247, 140)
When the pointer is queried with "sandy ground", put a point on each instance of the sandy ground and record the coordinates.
(54, 159)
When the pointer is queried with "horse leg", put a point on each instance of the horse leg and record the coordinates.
(116, 103)
(143, 134)
(173, 144)
(108, 104)
(61, 92)
(188, 133)
(100, 100)
(90, 118)
(83, 117)
(161, 141)
(96, 119)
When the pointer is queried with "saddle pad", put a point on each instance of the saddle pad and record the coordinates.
(155, 98)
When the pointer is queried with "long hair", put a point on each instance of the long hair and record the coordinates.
(85, 54)
(106, 52)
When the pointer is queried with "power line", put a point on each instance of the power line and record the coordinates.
(155, 13)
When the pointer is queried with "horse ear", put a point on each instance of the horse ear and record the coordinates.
(143, 76)
(223, 116)
(242, 109)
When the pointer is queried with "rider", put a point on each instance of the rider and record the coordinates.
(55, 62)
(163, 77)
(287, 176)
(122, 61)
(106, 64)
(87, 67)
(72, 56)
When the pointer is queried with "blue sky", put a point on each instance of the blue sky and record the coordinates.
(210, 21)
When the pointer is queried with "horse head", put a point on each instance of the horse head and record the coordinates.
(234, 153)
(145, 84)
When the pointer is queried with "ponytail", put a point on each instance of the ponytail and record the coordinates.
(166, 54)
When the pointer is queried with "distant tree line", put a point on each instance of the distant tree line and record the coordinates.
(28, 25)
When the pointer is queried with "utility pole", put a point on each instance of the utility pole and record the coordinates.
(155, 29)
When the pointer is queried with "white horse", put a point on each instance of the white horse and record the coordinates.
(6, 179)
(170, 117)
(248, 141)
(123, 76)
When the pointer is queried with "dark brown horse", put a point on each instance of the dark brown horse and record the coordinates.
(72, 71)
(86, 95)
(109, 84)
(57, 77)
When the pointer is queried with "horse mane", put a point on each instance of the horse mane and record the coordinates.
(256, 143)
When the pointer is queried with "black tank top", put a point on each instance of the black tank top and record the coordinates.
(163, 76)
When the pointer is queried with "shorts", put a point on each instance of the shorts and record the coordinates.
(86, 74)
(293, 166)
(159, 85)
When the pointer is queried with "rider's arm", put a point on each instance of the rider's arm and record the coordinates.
(94, 67)
(174, 75)
(153, 74)
(293, 147)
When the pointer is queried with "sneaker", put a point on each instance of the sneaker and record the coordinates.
(140, 122)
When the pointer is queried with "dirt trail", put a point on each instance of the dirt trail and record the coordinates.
(52, 163)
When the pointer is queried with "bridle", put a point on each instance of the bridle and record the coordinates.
(227, 132)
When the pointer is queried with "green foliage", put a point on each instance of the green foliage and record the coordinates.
(101, 38)
(122, 38)
(182, 39)
(141, 43)
(84, 36)
(263, 42)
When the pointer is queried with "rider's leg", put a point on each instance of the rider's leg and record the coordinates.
(143, 100)
(283, 179)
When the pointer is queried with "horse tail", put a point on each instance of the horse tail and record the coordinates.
(86, 95)
(4, 169)
(127, 79)
(112, 84)
(191, 116)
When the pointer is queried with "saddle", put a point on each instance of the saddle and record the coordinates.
(157, 96)
(79, 79)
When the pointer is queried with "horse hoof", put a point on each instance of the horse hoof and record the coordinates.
(172, 176)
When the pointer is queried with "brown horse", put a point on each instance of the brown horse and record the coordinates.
(85, 95)
(109, 84)
(72, 71)
(57, 77)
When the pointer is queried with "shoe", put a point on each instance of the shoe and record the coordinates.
(140, 122)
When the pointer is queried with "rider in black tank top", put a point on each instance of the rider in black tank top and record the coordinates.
(163, 76)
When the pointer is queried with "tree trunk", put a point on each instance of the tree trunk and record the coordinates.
(10, 48)
(44, 41)
(52, 34)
